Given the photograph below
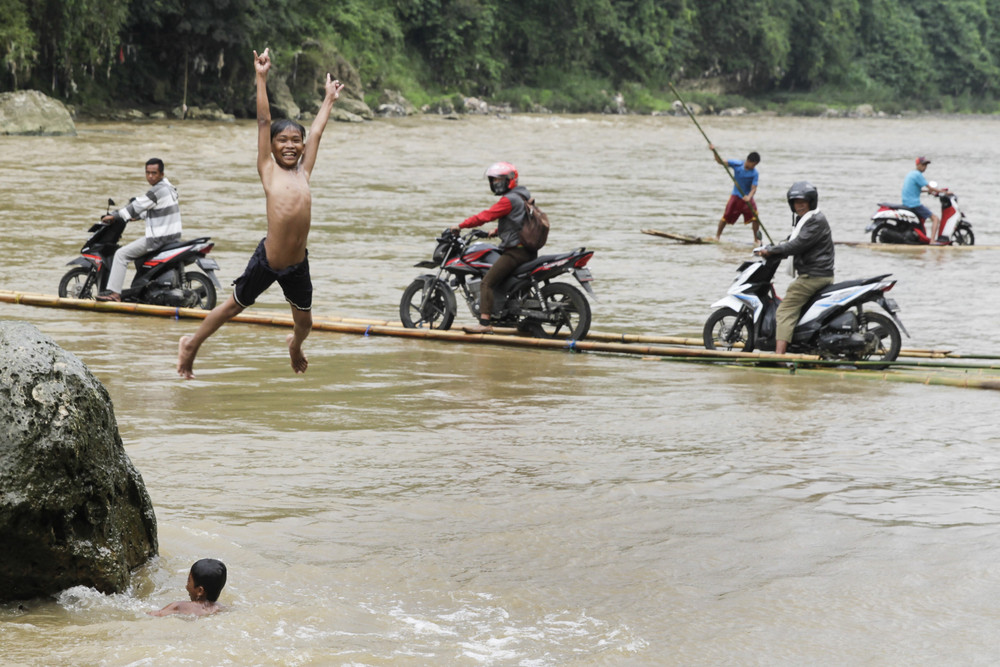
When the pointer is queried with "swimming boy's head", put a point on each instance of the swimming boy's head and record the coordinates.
(206, 579)
(287, 142)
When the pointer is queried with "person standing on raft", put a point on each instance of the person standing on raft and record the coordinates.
(281, 256)
(741, 200)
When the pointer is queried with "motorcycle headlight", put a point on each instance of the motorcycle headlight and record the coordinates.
(440, 252)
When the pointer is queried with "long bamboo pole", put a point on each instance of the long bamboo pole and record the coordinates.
(674, 347)
(719, 159)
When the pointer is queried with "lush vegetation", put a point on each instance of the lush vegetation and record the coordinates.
(566, 55)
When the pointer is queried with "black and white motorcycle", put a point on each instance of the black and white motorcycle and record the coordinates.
(833, 324)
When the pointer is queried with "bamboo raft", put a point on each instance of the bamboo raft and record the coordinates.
(686, 239)
(666, 348)
(910, 247)
(683, 238)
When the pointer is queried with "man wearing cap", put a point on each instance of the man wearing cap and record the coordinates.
(913, 184)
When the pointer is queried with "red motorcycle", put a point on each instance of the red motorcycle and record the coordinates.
(160, 278)
(894, 223)
(529, 299)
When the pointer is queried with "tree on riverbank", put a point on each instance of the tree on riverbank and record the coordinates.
(563, 54)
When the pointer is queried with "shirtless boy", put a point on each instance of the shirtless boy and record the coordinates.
(205, 582)
(281, 256)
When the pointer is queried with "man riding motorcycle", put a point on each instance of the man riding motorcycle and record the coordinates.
(915, 183)
(511, 211)
(811, 243)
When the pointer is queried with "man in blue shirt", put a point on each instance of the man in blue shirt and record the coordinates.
(741, 199)
(913, 184)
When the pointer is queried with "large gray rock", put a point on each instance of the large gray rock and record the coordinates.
(73, 509)
(31, 112)
(282, 102)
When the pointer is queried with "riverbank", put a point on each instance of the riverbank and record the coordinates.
(457, 106)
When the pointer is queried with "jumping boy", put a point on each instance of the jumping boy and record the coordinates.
(205, 581)
(281, 256)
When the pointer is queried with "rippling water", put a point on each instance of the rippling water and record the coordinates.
(409, 502)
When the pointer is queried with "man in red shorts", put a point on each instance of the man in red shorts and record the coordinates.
(741, 201)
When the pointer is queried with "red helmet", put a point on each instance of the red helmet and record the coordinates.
(502, 177)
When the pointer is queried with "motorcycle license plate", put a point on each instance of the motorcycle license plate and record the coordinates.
(892, 305)
(583, 275)
(208, 264)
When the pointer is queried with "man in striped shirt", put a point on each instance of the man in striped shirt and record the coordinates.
(159, 207)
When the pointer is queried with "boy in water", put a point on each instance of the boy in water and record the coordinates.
(281, 256)
(205, 582)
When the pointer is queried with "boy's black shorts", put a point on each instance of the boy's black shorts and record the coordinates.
(258, 276)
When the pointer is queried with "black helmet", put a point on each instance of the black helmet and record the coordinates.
(803, 190)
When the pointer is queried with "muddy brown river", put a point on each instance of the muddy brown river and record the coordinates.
(413, 502)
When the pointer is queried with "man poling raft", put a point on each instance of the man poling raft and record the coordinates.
(738, 189)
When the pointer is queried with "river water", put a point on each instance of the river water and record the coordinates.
(413, 502)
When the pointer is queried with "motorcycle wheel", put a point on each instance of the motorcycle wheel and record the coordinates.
(203, 286)
(881, 232)
(963, 235)
(725, 329)
(889, 340)
(73, 283)
(569, 313)
(439, 310)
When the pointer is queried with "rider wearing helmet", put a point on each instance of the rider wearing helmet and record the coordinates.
(811, 243)
(511, 211)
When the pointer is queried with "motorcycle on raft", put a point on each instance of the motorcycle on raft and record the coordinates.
(833, 324)
(160, 276)
(528, 299)
(894, 223)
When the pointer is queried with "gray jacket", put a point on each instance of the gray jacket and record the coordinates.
(812, 248)
(509, 227)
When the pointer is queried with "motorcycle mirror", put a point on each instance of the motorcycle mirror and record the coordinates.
(933, 184)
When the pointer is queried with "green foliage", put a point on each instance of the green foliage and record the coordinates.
(565, 55)
(18, 42)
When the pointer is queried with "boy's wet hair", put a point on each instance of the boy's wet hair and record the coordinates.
(157, 161)
(284, 123)
(210, 574)
(753, 157)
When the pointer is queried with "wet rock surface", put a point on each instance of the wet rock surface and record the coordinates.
(73, 508)
(31, 112)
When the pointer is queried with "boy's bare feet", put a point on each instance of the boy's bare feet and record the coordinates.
(299, 361)
(185, 358)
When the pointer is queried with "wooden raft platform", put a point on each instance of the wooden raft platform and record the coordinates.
(938, 366)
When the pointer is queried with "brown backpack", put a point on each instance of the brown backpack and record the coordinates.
(535, 230)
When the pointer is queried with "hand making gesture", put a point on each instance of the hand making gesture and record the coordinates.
(262, 63)
(333, 86)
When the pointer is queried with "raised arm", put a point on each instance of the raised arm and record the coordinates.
(262, 64)
(333, 88)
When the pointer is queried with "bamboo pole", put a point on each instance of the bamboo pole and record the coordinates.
(929, 379)
(719, 159)
(674, 348)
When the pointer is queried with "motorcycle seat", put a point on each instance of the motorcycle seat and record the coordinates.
(180, 244)
(528, 267)
(842, 285)
(898, 207)
(851, 283)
